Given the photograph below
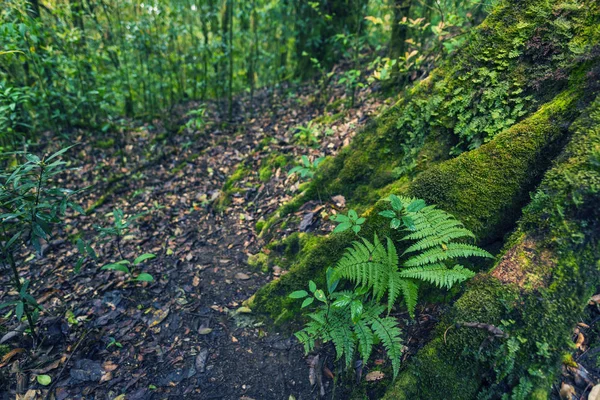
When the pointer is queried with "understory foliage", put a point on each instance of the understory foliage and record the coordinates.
(31, 205)
(353, 318)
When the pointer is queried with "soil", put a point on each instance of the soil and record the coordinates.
(187, 334)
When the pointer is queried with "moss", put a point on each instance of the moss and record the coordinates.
(240, 173)
(105, 144)
(260, 224)
(265, 173)
(506, 170)
(259, 261)
(328, 119)
(539, 320)
(520, 153)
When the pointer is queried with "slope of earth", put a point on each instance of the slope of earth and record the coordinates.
(200, 194)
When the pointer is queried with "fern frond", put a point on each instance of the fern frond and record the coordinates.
(439, 274)
(368, 264)
(342, 337)
(365, 336)
(410, 293)
(452, 250)
(306, 340)
(443, 237)
(386, 329)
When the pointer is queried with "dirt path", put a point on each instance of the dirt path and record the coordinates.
(182, 336)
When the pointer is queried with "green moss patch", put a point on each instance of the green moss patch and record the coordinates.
(561, 231)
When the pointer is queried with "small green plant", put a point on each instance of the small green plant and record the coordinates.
(306, 169)
(113, 342)
(196, 121)
(307, 135)
(86, 252)
(351, 221)
(350, 321)
(122, 266)
(352, 318)
(31, 205)
(120, 228)
(351, 79)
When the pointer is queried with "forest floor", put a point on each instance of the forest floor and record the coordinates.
(201, 194)
(187, 334)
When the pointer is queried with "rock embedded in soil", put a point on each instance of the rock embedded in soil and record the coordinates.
(86, 371)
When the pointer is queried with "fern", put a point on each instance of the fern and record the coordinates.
(439, 274)
(352, 319)
(438, 234)
(388, 332)
(350, 331)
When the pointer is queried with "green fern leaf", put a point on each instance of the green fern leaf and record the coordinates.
(365, 339)
(452, 250)
(410, 292)
(386, 329)
(439, 274)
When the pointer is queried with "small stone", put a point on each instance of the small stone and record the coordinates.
(86, 371)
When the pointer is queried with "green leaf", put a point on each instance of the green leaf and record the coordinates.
(339, 218)
(116, 267)
(307, 302)
(58, 153)
(320, 295)
(298, 294)
(356, 309)
(344, 226)
(352, 215)
(144, 277)
(395, 223)
(331, 283)
(356, 228)
(396, 202)
(44, 380)
(19, 310)
(408, 222)
(388, 214)
(312, 286)
(416, 205)
(360, 221)
(143, 258)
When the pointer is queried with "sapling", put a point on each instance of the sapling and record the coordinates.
(31, 205)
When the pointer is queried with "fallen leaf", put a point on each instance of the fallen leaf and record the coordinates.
(595, 393)
(8, 356)
(339, 201)
(106, 377)
(327, 372)
(234, 339)
(196, 281)
(242, 276)
(204, 331)
(109, 366)
(244, 310)
(158, 316)
(580, 340)
(374, 376)
(566, 391)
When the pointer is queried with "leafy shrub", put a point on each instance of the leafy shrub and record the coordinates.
(31, 205)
